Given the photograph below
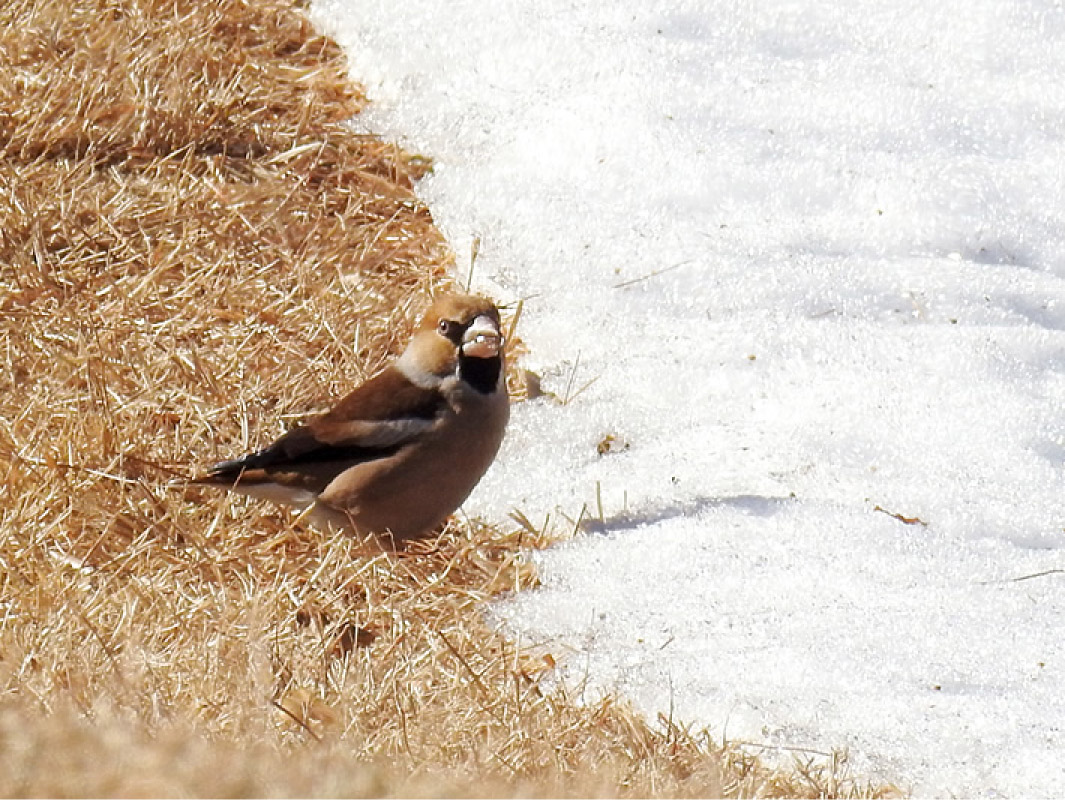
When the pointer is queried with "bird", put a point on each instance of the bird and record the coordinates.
(402, 451)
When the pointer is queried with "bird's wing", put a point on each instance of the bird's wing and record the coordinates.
(374, 421)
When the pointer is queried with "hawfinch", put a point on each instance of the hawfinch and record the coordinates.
(403, 450)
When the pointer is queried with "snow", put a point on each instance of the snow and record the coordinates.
(805, 261)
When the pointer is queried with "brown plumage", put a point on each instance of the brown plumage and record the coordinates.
(402, 451)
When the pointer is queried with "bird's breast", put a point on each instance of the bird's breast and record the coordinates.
(414, 490)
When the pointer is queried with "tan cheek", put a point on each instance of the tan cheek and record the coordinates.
(437, 354)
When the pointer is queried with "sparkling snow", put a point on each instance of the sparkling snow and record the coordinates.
(805, 261)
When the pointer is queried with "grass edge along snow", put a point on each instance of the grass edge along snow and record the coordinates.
(192, 242)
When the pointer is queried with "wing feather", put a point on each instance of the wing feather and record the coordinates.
(374, 421)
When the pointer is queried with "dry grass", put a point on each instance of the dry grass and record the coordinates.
(192, 246)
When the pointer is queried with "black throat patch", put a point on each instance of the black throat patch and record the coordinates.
(480, 373)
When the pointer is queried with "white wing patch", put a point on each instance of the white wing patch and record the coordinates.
(379, 433)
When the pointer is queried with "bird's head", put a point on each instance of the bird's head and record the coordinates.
(458, 334)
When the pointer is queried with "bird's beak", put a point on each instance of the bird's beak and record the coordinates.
(482, 338)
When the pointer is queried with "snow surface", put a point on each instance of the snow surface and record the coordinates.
(806, 262)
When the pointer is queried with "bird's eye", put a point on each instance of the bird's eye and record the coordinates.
(445, 327)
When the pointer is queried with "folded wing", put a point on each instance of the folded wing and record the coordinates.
(375, 421)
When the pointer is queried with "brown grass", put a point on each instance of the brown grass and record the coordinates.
(194, 251)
